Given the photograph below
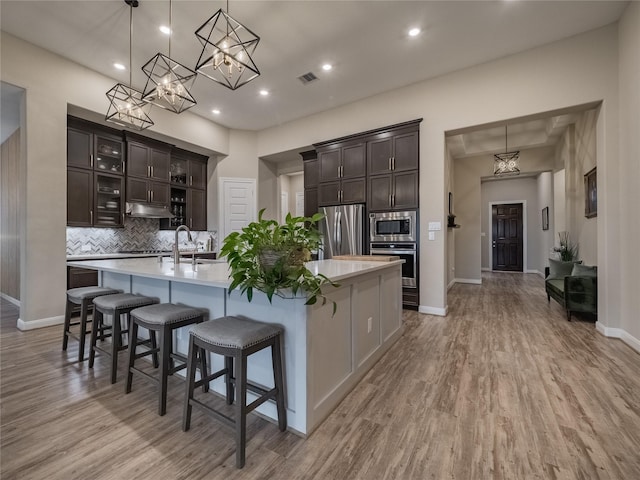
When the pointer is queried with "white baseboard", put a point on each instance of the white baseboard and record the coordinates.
(9, 299)
(485, 269)
(441, 312)
(533, 271)
(619, 333)
(451, 284)
(40, 323)
(475, 281)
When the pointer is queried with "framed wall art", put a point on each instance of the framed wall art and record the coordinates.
(590, 194)
(545, 218)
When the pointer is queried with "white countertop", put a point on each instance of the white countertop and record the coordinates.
(216, 273)
(105, 256)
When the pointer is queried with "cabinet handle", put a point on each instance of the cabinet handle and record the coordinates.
(190, 222)
(123, 167)
(152, 195)
(341, 171)
(341, 196)
(190, 180)
(393, 163)
(338, 171)
(390, 163)
(152, 171)
(390, 200)
(338, 194)
(91, 216)
(91, 159)
(123, 218)
(393, 200)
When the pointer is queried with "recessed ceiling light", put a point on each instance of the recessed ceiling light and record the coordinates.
(327, 67)
(119, 66)
(264, 93)
(413, 32)
(164, 29)
(215, 111)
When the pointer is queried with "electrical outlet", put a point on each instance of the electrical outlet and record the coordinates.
(369, 324)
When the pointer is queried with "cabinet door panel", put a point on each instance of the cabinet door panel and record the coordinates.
(354, 162)
(405, 188)
(310, 201)
(197, 206)
(109, 207)
(197, 174)
(380, 192)
(79, 148)
(160, 193)
(379, 155)
(311, 173)
(137, 190)
(137, 160)
(329, 163)
(79, 197)
(160, 162)
(354, 191)
(405, 152)
(328, 193)
(108, 154)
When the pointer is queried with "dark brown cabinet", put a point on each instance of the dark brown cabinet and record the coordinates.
(95, 181)
(147, 191)
(342, 173)
(146, 161)
(197, 209)
(311, 178)
(393, 152)
(396, 191)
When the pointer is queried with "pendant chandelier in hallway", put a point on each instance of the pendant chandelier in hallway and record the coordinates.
(506, 163)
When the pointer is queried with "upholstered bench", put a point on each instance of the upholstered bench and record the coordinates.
(572, 285)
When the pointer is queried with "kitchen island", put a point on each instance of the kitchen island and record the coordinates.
(324, 355)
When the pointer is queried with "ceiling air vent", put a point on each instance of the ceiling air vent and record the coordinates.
(307, 78)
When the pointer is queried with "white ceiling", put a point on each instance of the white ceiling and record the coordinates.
(366, 42)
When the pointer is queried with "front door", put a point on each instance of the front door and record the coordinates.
(507, 237)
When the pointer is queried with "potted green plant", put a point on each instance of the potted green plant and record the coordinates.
(270, 257)
(567, 250)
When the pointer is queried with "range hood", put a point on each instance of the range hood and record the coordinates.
(145, 210)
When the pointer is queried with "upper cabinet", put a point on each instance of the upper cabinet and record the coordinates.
(378, 167)
(148, 160)
(188, 169)
(95, 181)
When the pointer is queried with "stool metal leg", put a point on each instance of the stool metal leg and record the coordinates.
(133, 343)
(241, 409)
(67, 323)
(276, 358)
(116, 341)
(191, 376)
(166, 343)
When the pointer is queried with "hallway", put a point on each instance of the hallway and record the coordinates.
(502, 388)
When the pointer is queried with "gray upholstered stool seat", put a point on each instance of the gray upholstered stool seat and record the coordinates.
(82, 296)
(114, 305)
(162, 319)
(235, 338)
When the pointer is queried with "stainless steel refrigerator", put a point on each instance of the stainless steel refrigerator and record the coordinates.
(343, 230)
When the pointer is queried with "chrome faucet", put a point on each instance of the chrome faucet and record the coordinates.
(176, 252)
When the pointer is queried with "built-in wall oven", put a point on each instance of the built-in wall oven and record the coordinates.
(395, 233)
(406, 251)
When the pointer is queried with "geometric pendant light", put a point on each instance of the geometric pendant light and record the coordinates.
(227, 49)
(126, 106)
(506, 163)
(168, 81)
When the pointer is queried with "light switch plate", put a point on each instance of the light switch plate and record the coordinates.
(434, 226)
(432, 235)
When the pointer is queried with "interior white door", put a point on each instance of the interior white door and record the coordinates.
(237, 205)
(284, 205)
(299, 204)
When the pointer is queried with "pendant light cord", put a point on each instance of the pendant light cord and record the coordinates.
(130, 42)
(170, 27)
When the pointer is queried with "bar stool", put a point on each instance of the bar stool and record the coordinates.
(235, 338)
(114, 305)
(82, 296)
(162, 319)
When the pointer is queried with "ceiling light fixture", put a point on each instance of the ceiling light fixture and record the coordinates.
(414, 32)
(126, 106)
(164, 29)
(506, 163)
(119, 66)
(264, 93)
(227, 47)
(327, 66)
(169, 82)
(215, 111)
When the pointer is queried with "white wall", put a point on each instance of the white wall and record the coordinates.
(574, 71)
(627, 225)
(559, 221)
(545, 199)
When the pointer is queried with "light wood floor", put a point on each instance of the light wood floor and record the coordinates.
(503, 387)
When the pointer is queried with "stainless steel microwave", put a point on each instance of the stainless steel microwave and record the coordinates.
(393, 226)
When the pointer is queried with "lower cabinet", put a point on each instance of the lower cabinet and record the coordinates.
(81, 277)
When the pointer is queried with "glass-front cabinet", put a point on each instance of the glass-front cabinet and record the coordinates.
(178, 206)
(108, 155)
(109, 205)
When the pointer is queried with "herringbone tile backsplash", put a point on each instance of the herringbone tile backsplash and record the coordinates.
(137, 234)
